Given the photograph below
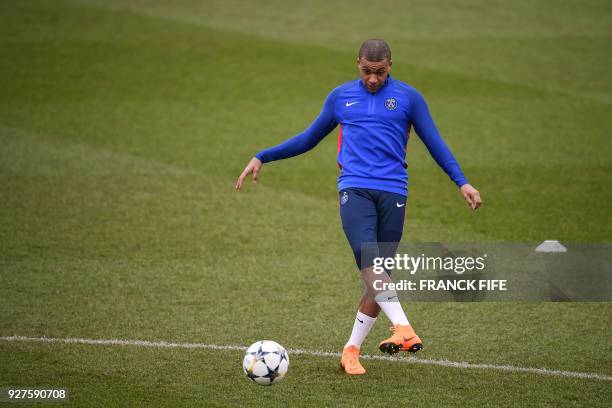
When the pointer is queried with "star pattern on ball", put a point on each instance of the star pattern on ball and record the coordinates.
(263, 363)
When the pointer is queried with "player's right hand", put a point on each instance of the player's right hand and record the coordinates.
(254, 167)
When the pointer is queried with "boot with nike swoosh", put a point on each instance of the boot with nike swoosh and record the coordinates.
(350, 361)
(403, 339)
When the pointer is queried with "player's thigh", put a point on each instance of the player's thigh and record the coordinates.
(359, 220)
(391, 210)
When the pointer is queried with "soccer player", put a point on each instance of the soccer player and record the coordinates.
(375, 114)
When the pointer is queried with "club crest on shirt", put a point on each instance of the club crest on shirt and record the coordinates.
(391, 103)
(344, 198)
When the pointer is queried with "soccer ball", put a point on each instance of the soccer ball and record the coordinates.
(266, 362)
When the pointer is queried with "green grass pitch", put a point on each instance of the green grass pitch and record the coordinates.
(124, 124)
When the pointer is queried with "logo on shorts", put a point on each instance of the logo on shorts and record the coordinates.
(344, 198)
(391, 103)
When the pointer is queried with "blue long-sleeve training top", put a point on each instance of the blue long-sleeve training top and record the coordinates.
(374, 131)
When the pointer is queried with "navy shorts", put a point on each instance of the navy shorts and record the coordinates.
(370, 217)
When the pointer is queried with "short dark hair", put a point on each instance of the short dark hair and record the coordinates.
(375, 50)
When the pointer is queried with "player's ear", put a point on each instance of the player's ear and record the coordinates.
(390, 63)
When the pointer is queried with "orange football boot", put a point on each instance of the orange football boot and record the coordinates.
(350, 361)
(404, 338)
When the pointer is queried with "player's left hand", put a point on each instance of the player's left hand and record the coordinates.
(471, 196)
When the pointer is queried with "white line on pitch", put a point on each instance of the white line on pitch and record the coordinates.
(409, 360)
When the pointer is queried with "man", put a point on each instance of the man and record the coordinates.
(375, 114)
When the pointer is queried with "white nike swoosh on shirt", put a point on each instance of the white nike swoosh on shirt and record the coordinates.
(350, 103)
(400, 205)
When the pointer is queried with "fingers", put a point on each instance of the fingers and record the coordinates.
(240, 181)
(471, 196)
(477, 201)
(473, 199)
(254, 167)
(468, 200)
(255, 174)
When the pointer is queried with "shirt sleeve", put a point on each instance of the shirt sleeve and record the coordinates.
(427, 131)
(308, 139)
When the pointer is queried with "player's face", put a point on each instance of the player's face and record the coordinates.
(373, 74)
